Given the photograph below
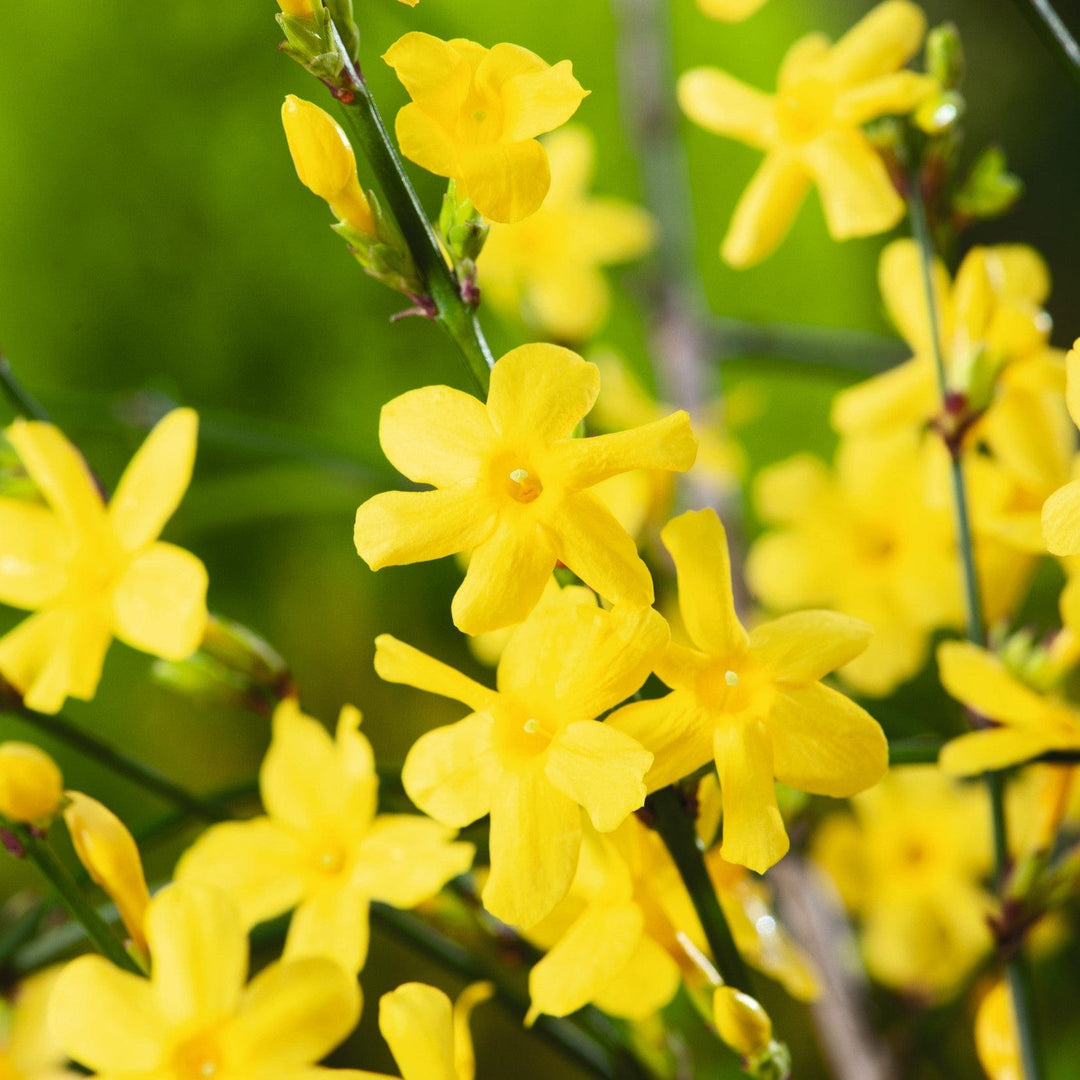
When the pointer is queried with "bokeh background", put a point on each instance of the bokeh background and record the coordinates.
(156, 247)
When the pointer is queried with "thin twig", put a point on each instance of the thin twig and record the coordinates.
(22, 401)
(1054, 33)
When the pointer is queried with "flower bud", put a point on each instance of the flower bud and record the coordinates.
(741, 1022)
(325, 162)
(945, 55)
(995, 1035)
(989, 190)
(298, 9)
(111, 857)
(30, 783)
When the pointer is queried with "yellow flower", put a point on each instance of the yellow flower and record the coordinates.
(510, 484)
(741, 1021)
(30, 783)
(110, 855)
(325, 162)
(995, 1035)
(910, 864)
(194, 1017)
(1027, 723)
(28, 1048)
(866, 540)
(93, 573)
(428, 1037)
(322, 849)
(810, 130)
(753, 703)
(730, 10)
(547, 268)
(992, 329)
(1061, 514)
(531, 753)
(299, 9)
(475, 115)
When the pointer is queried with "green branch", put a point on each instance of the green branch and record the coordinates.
(1054, 33)
(21, 400)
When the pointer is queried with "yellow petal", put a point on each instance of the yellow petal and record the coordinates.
(506, 182)
(406, 859)
(424, 140)
(540, 393)
(159, 604)
(804, 60)
(1061, 520)
(725, 105)
(903, 395)
(257, 863)
(730, 10)
(674, 729)
(107, 1019)
(664, 444)
(597, 947)
(32, 556)
(435, 73)
(857, 194)
(294, 1013)
(436, 435)
(900, 280)
(570, 302)
(332, 922)
(741, 1021)
(199, 952)
(601, 769)
(451, 772)
(33, 1049)
(155, 480)
(506, 576)
(824, 743)
(589, 540)
(1019, 272)
(765, 210)
(754, 833)
(996, 1038)
(400, 663)
(398, 527)
(61, 473)
(536, 98)
(464, 1057)
(644, 986)
(807, 645)
(888, 95)
(535, 839)
(881, 42)
(698, 545)
(30, 782)
(998, 748)
(609, 231)
(417, 1023)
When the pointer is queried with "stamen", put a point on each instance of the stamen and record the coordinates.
(532, 725)
(519, 475)
(731, 678)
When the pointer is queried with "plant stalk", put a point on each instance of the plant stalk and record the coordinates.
(21, 400)
(1047, 23)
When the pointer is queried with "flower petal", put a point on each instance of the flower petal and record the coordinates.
(997, 748)
(435, 73)
(295, 1012)
(807, 645)
(535, 840)
(536, 98)
(570, 302)
(857, 194)
(425, 141)
(398, 527)
(644, 986)
(903, 395)
(601, 769)
(35, 549)
(599, 945)
(199, 951)
(506, 182)
(754, 833)
(159, 605)
(1061, 520)
(155, 480)
(823, 743)
(724, 105)
(506, 577)
(417, 1023)
(406, 859)
(451, 772)
(540, 393)
(256, 863)
(664, 444)
(332, 922)
(888, 95)
(400, 663)
(765, 210)
(882, 41)
(436, 435)
(698, 545)
(901, 283)
(590, 541)
(464, 1054)
(107, 1019)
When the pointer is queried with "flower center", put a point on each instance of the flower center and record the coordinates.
(198, 1058)
(520, 736)
(728, 690)
(805, 110)
(330, 859)
(524, 487)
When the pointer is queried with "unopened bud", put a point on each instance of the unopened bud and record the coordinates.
(945, 55)
(298, 9)
(111, 857)
(940, 112)
(30, 783)
(741, 1021)
(461, 227)
(995, 1035)
(989, 189)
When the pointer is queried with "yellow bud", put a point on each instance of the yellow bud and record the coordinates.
(741, 1022)
(30, 783)
(325, 162)
(111, 857)
(300, 9)
(995, 1035)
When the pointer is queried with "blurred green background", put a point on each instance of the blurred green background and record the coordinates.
(156, 246)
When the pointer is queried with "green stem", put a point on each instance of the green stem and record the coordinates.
(119, 763)
(97, 930)
(1054, 33)
(22, 401)
(1022, 1003)
(374, 142)
(831, 349)
(676, 828)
